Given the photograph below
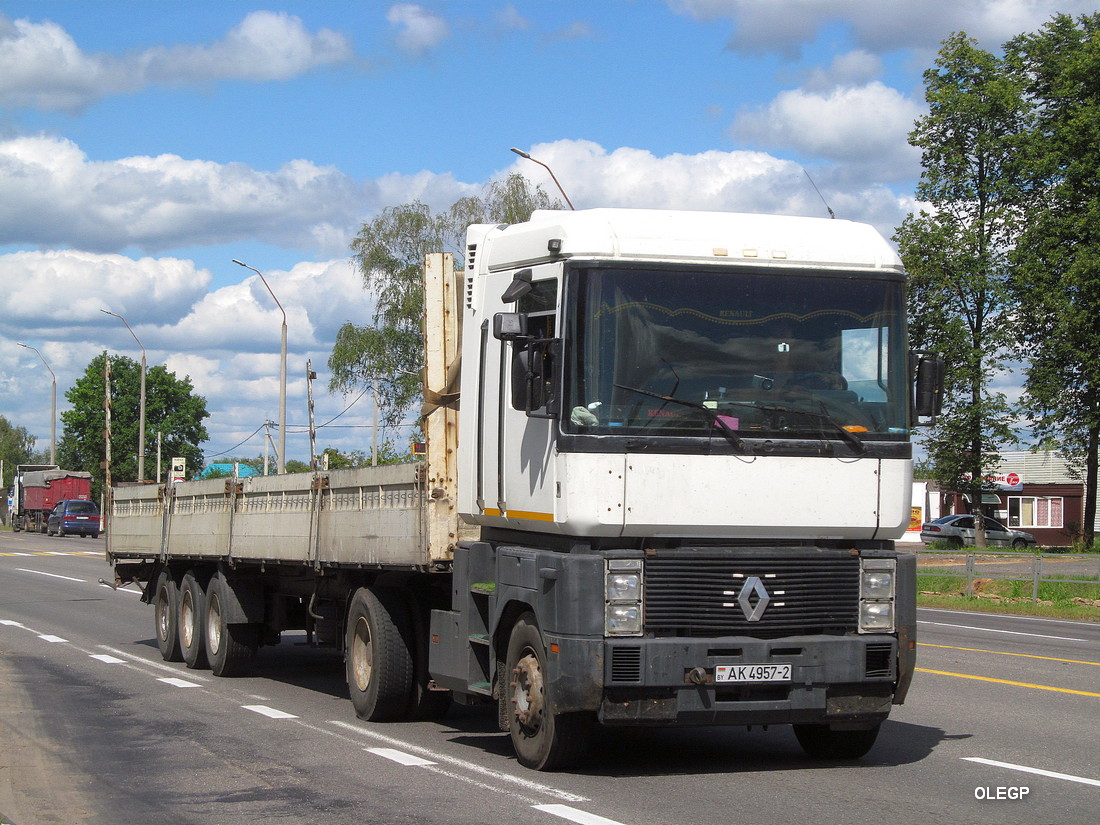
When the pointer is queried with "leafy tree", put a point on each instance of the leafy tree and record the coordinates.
(16, 447)
(1058, 253)
(957, 252)
(171, 408)
(389, 252)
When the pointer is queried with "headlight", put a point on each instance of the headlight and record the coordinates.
(623, 589)
(876, 595)
(876, 616)
(624, 586)
(624, 619)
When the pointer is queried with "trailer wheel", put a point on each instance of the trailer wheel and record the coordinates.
(192, 621)
(821, 742)
(229, 647)
(378, 656)
(543, 739)
(166, 613)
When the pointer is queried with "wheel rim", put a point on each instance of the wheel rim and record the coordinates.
(528, 692)
(362, 650)
(162, 613)
(187, 619)
(213, 624)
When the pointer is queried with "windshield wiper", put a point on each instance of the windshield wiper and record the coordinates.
(718, 421)
(853, 440)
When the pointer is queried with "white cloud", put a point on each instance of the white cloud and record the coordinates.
(51, 194)
(69, 288)
(41, 66)
(738, 181)
(857, 125)
(786, 25)
(418, 30)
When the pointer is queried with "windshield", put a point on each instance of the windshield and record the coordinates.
(736, 353)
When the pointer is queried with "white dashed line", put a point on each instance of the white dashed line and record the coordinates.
(271, 713)
(575, 815)
(47, 637)
(106, 659)
(12, 623)
(400, 757)
(527, 784)
(1037, 771)
(177, 682)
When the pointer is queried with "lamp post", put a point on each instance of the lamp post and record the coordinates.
(141, 406)
(282, 371)
(526, 156)
(53, 406)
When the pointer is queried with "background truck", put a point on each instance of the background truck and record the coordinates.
(671, 497)
(38, 488)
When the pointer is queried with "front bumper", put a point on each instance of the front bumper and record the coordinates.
(838, 680)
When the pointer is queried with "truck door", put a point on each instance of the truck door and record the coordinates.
(527, 409)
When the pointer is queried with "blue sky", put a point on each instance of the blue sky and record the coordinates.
(143, 145)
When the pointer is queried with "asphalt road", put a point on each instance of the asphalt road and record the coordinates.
(1002, 725)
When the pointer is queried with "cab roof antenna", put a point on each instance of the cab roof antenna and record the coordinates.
(523, 154)
(814, 185)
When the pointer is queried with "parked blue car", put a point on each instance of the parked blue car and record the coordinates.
(74, 518)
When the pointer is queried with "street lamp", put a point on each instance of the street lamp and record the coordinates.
(141, 413)
(53, 406)
(282, 372)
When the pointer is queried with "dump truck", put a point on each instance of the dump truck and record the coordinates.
(668, 455)
(38, 488)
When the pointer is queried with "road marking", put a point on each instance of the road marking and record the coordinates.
(51, 575)
(176, 682)
(270, 713)
(527, 784)
(147, 662)
(1006, 653)
(1009, 632)
(107, 659)
(12, 623)
(1038, 771)
(49, 637)
(400, 757)
(13, 553)
(1015, 618)
(575, 815)
(1007, 682)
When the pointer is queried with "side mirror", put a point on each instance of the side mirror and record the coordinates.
(510, 326)
(928, 394)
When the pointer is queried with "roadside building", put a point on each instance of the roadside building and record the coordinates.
(1032, 491)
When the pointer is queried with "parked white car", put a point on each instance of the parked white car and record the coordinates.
(959, 530)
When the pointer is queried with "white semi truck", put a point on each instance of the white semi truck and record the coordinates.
(670, 498)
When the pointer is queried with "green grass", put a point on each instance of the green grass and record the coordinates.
(1057, 599)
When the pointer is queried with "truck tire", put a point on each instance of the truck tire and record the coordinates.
(543, 739)
(821, 742)
(192, 623)
(166, 613)
(230, 648)
(378, 656)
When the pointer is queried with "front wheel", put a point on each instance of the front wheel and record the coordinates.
(544, 740)
(1019, 544)
(822, 742)
(378, 656)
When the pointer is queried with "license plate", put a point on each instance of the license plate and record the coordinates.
(753, 673)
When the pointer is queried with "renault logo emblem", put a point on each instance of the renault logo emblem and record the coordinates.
(753, 586)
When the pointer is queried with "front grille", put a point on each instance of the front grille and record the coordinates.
(694, 593)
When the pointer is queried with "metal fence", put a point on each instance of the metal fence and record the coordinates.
(972, 565)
